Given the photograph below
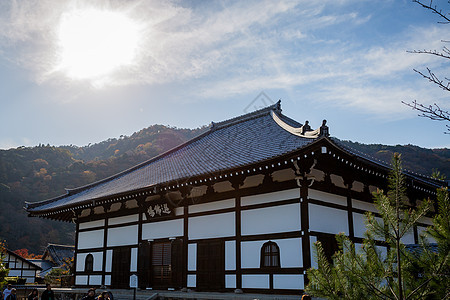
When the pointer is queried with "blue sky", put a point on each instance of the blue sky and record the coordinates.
(202, 61)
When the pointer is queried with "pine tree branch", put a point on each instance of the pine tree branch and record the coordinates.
(373, 287)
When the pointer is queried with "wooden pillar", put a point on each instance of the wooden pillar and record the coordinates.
(351, 231)
(236, 182)
(105, 241)
(77, 232)
(304, 210)
(185, 240)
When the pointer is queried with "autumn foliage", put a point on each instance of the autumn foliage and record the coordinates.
(25, 254)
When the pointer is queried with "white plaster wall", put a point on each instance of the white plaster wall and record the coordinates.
(90, 239)
(95, 279)
(327, 197)
(211, 206)
(408, 238)
(98, 260)
(271, 197)
(327, 219)
(230, 281)
(421, 231)
(230, 255)
(81, 280)
(250, 254)
(359, 225)
(191, 280)
(134, 259)
(363, 205)
(426, 220)
(122, 236)
(255, 281)
(213, 226)
(288, 281)
(290, 253)
(14, 273)
(275, 219)
(124, 219)
(165, 229)
(28, 273)
(312, 240)
(109, 254)
(192, 257)
(107, 279)
(92, 224)
(30, 279)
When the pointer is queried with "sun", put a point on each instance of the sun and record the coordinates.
(95, 43)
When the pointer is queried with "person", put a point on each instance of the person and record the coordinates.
(7, 291)
(34, 295)
(48, 294)
(103, 296)
(12, 296)
(306, 297)
(90, 295)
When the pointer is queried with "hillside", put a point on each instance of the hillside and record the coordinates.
(42, 172)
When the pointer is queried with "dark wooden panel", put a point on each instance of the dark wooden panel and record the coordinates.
(144, 275)
(211, 265)
(178, 263)
(120, 277)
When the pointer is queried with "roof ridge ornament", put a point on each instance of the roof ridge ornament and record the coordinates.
(304, 131)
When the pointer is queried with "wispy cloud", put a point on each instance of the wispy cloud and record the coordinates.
(238, 48)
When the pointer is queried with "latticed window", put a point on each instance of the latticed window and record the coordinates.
(270, 255)
(89, 263)
(161, 263)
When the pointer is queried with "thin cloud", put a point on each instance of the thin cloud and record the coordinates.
(239, 48)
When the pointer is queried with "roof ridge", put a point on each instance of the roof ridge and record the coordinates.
(248, 116)
(60, 245)
(214, 126)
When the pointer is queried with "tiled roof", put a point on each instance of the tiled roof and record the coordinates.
(234, 143)
(22, 258)
(59, 253)
(387, 165)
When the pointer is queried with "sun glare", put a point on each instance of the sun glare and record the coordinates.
(95, 43)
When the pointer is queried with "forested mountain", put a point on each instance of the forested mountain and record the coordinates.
(42, 172)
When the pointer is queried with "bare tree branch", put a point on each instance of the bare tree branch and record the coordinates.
(433, 112)
(434, 9)
(433, 78)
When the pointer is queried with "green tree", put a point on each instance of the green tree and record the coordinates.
(382, 268)
(3, 270)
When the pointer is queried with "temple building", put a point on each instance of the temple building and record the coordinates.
(238, 207)
(25, 270)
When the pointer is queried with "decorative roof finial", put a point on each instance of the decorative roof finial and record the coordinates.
(278, 105)
(306, 127)
(323, 130)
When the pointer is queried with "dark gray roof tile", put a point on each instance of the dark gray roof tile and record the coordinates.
(237, 142)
